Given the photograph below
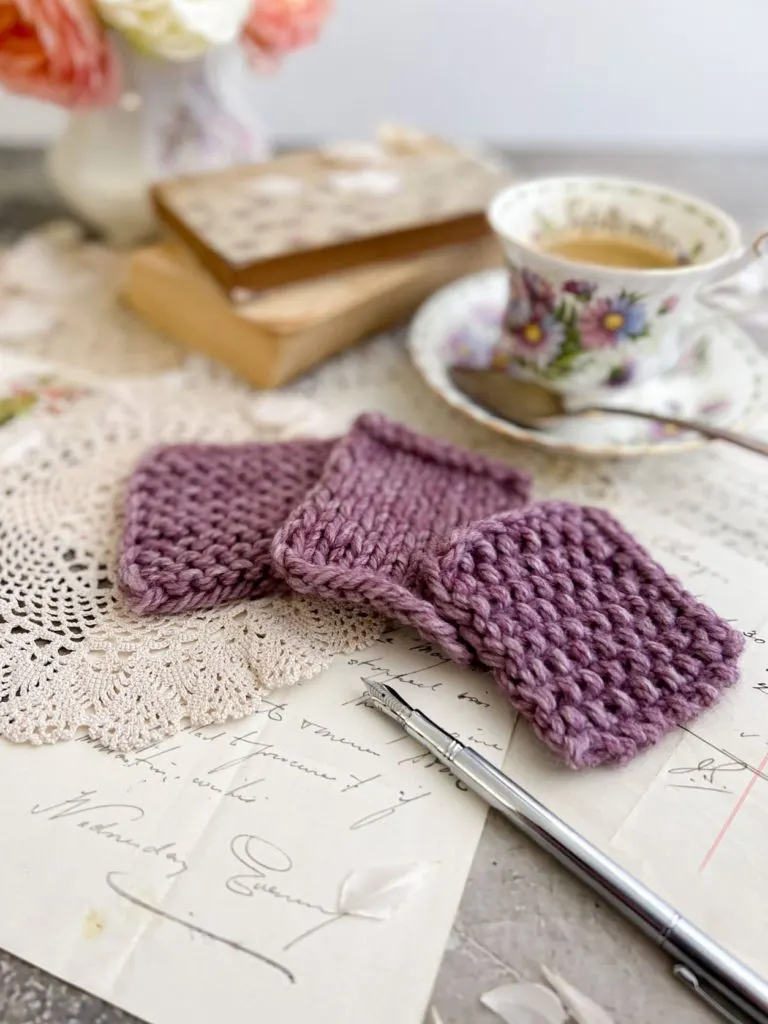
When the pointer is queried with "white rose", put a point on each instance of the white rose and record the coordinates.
(176, 29)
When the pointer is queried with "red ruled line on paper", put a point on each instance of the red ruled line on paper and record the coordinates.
(732, 816)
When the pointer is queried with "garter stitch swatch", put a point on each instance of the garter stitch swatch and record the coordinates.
(385, 496)
(200, 520)
(592, 641)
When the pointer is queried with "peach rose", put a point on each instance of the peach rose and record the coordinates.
(56, 50)
(276, 27)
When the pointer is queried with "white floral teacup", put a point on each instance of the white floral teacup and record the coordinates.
(578, 326)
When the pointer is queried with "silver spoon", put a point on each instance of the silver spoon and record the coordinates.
(530, 405)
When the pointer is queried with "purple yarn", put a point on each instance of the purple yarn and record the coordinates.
(386, 495)
(592, 641)
(200, 520)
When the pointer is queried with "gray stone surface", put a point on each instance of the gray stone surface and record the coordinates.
(26, 199)
(519, 909)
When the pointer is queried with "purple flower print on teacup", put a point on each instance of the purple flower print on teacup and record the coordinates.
(714, 407)
(537, 342)
(531, 298)
(669, 305)
(621, 375)
(503, 352)
(582, 290)
(665, 431)
(462, 350)
(540, 290)
(687, 256)
(694, 362)
(488, 316)
(519, 305)
(608, 321)
(471, 345)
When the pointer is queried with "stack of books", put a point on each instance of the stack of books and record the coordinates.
(274, 267)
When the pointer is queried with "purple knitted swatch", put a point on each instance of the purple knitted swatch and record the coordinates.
(386, 495)
(592, 641)
(200, 520)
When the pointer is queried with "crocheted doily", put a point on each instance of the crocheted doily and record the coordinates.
(71, 653)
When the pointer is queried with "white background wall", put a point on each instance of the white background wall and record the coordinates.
(531, 72)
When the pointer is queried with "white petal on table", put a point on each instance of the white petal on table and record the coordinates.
(525, 1003)
(290, 416)
(380, 891)
(581, 1008)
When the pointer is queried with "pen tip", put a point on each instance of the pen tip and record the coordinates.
(386, 699)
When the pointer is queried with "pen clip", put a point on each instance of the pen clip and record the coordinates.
(714, 999)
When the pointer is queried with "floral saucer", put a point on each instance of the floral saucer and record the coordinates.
(720, 380)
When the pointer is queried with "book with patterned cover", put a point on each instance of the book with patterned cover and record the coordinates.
(320, 212)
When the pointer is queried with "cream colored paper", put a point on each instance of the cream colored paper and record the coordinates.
(200, 879)
(690, 817)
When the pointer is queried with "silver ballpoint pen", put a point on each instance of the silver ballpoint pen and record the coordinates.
(719, 979)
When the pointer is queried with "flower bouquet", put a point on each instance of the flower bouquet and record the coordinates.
(156, 88)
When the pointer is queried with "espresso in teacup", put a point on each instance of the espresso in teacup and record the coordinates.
(611, 251)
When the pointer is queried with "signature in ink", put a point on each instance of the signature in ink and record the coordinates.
(733, 759)
(704, 775)
(113, 881)
(260, 856)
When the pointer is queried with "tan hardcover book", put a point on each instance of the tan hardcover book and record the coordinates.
(274, 336)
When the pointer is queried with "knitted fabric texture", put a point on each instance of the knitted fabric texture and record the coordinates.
(592, 641)
(200, 520)
(385, 496)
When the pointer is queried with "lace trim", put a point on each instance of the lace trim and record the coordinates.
(71, 654)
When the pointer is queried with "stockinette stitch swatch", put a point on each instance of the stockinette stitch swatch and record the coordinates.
(592, 641)
(199, 520)
(385, 496)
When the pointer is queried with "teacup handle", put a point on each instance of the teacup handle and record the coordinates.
(751, 254)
